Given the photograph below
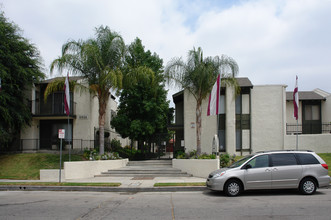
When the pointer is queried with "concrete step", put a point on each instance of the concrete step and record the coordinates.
(148, 168)
(150, 163)
(145, 175)
(143, 172)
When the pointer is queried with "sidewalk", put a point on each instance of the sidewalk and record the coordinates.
(128, 184)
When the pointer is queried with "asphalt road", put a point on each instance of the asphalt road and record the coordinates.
(256, 205)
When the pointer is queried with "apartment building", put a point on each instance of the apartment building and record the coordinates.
(259, 118)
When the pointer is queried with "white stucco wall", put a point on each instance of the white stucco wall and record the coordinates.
(230, 121)
(290, 113)
(82, 128)
(268, 117)
(208, 127)
(245, 139)
(87, 169)
(320, 143)
(189, 122)
(326, 110)
(198, 168)
(245, 104)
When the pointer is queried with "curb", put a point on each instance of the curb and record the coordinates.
(101, 189)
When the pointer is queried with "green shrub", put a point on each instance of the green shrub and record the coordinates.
(115, 145)
(193, 155)
(226, 159)
(207, 156)
(94, 155)
(180, 155)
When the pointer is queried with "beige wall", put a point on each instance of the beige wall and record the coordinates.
(320, 143)
(209, 125)
(189, 122)
(87, 169)
(268, 117)
(198, 168)
(230, 121)
(82, 128)
(326, 110)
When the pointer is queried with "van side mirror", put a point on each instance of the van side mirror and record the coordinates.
(248, 166)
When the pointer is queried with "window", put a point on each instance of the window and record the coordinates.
(306, 159)
(221, 132)
(311, 118)
(260, 161)
(312, 112)
(283, 159)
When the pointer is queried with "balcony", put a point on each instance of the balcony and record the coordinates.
(308, 128)
(51, 108)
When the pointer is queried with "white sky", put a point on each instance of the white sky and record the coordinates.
(272, 41)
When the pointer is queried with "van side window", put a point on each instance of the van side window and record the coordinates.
(260, 161)
(283, 159)
(306, 159)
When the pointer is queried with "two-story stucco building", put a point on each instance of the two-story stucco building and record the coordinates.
(259, 118)
(48, 117)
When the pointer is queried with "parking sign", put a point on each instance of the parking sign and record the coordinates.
(61, 133)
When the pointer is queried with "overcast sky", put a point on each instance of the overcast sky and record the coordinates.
(272, 41)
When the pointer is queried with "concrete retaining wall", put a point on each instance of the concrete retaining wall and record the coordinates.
(51, 175)
(198, 168)
(87, 169)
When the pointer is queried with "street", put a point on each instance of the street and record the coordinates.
(288, 204)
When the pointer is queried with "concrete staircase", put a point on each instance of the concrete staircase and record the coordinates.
(146, 168)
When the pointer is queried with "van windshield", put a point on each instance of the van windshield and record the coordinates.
(241, 161)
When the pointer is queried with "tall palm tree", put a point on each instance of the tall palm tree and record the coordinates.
(99, 61)
(198, 75)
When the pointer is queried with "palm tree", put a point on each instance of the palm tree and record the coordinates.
(198, 75)
(99, 61)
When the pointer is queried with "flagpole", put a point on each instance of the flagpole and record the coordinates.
(296, 109)
(218, 121)
(69, 141)
(297, 135)
(67, 107)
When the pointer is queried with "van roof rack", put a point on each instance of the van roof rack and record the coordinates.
(269, 151)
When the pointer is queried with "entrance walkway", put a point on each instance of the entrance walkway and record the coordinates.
(146, 169)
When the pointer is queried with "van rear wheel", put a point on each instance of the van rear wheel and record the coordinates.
(307, 186)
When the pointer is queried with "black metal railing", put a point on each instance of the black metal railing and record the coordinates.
(78, 145)
(308, 128)
(50, 108)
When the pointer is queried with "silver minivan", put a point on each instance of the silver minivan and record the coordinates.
(303, 170)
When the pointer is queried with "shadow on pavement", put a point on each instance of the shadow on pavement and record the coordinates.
(272, 192)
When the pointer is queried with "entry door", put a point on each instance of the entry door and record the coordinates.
(259, 176)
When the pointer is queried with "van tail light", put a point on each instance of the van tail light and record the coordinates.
(325, 166)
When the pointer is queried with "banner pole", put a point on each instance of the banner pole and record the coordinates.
(60, 160)
(297, 135)
(69, 141)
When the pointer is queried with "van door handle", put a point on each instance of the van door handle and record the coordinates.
(267, 170)
(275, 169)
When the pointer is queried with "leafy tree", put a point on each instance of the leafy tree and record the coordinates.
(99, 61)
(143, 108)
(198, 75)
(19, 69)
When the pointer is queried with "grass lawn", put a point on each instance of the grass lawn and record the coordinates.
(327, 158)
(27, 166)
(179, 184)
(59, 184)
